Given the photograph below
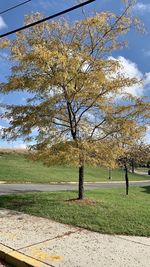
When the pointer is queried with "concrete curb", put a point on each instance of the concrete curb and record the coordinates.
(76, 183)
(18, 259)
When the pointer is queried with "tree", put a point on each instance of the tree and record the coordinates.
(135, 153)
(139, 154)
(130, 143)
(74, 86)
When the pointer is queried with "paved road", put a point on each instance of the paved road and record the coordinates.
(142, 172)
(23, 188)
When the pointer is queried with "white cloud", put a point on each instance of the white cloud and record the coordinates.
(147, 83)
(142, 8)
(21, 146)
(13, 145)
(2, 23)
(147, 78)
(130, 69)
(147, 137)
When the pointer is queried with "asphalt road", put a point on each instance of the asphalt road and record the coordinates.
(24, 188)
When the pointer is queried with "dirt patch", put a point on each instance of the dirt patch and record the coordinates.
(85, 201)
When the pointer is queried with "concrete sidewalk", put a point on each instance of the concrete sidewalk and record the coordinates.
(32, 241)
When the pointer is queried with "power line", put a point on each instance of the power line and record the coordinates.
(47, 18)
(13, 7)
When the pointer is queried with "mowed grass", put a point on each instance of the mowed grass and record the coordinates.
(105, 210)
(17, 168)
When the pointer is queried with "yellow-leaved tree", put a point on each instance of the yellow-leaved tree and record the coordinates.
(74, 86)
(128, 142)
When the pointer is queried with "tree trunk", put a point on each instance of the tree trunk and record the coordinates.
(133, 166)
(81, 180)
(126, 179)
(110, 177)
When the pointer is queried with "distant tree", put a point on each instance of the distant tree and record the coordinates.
(148, 164)
(132, 149)
(74, 86)
(139, 155)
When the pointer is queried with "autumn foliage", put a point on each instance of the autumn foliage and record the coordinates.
(74, 109)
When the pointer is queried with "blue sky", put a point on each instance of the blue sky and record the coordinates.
(135, 58)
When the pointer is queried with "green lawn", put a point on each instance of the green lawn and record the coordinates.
(17, 168)
(104, 211)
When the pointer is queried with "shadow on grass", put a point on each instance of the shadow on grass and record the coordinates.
(15, 202)
(146, 189)
(30, 201)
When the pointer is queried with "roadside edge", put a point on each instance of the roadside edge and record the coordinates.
(18, 259)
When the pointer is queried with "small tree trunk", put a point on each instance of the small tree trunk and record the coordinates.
(133, 166)
(81, 180)
(110, 177)
(126, 179)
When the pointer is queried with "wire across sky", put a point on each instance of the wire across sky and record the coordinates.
(13, 7)
(48, 18)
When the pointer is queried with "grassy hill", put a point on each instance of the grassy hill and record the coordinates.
(15, 167)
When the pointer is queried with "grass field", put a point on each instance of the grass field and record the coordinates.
(17, 168)
(105, 210)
